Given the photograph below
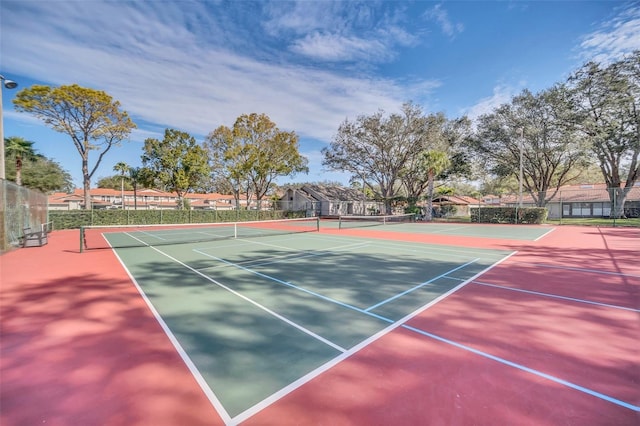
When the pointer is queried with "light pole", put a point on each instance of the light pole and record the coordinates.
(9, 84)
(521, 143)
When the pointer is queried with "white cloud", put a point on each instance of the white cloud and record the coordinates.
(301, 17)
(335, 47)
(502, 94)
(615, 38)
(167, 74)
(441, 16)
(339, 31)
(163, 74)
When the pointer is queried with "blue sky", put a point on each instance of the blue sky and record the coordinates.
(308, 65)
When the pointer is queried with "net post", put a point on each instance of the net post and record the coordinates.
(318, 223)
(81, 238)
(339, 222)
(235, 229)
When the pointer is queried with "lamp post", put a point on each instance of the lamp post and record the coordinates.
(9, 84)
(521, 143)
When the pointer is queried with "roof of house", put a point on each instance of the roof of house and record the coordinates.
(142, 192)
(63, 197)
(333, 193)
(596, 192)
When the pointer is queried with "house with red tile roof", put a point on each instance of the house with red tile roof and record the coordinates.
(142, 199)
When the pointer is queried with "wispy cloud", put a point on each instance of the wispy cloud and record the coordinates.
(366, 32)
(441, 17)
(615, 37)
(158, 65)
(502, 94)
(335, 47)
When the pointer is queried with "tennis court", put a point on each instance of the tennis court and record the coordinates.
(405, 223)
(254, 315)
(307, 323)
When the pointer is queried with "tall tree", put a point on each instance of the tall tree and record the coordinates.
(253, 154)
(122, 168)
(607, 99)
(18, 148)
(177, 162)
(375, 149)
(92, 119)
(229, 162)
(536, 130)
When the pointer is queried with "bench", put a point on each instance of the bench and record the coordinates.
(34, 237)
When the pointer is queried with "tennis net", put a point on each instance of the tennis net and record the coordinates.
(351, 221)
(117, 236)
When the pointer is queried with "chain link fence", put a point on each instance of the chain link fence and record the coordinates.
(580, 204)
(22, 209)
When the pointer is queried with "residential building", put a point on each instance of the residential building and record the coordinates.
(329, 201)
(584, 200)
(142, 199)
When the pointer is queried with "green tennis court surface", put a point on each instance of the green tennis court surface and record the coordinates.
(255, 315)
(509, 232)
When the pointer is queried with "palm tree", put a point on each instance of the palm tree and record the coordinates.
(134, 175)
(434, 163)
(123, 168)
(21, 149)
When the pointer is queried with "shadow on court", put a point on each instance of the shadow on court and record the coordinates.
(255, 323)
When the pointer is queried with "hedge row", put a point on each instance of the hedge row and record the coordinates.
(74, 219)
(508, 215)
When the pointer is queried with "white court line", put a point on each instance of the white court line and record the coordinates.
(570, 268)
(275, 259)
(253, 302)
(455, 228)
(313, 293)
(545, 234)
(288, 284)
(422, 247)
(211, 396)
(318, 371)
(555, 296)
(149, 234)
(526, 369)
(377, 305)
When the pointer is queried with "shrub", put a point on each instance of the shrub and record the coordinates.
(74, 219)
(528, 215)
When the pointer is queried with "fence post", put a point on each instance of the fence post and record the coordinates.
(615, 207)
